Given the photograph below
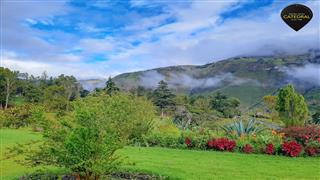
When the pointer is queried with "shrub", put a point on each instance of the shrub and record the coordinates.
(222, 144)
(291, 148)
(247, 149)
(270, 149)
(16, 117)
(241, 128)
(188, 142)
(311, 151)
(99, 126)
(302, 135)
(312, 148)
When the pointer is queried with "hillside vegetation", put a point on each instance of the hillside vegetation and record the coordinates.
(247, 78)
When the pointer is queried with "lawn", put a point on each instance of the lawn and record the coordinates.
(185, 164)
(189, 164)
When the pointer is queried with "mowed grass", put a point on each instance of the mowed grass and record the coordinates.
(190, 164)
(9, 168)
(183, 164)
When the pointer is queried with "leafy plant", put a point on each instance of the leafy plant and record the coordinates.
(248, 149)
(222, 144)
(270, 149)
(316, 118)
(240, 128)
(302, 135)
(291, 148)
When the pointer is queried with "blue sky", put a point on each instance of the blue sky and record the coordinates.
(91, 39)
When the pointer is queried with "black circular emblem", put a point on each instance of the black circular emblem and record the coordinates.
(296, 16)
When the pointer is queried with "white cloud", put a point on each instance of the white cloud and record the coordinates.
(309, 73)
(196, 36)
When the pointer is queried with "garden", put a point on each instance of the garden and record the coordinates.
(55, 132)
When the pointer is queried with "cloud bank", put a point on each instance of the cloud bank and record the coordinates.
(101, 39)
(151, 78)
(309, 73)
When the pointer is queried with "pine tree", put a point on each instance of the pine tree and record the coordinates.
(292, 108)
(111, 87)
(163, 97)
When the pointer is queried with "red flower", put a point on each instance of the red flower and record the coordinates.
(270, 149)
(247, 149)
(222, 144)
(188, 142)
(291, 148)
(210, 144)
(302, 135)
(312, 151)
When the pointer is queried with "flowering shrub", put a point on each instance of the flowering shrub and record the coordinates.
(188, 142)
(302, 135)
(222, 144)
(311, 151)
(291, 148)
(270, 149)
(247, 149)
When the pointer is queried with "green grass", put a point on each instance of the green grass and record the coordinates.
(189, 164)
(9, 169)
(183, 164)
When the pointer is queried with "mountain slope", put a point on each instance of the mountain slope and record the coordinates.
(248, 78)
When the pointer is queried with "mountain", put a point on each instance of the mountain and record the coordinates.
(247, 78)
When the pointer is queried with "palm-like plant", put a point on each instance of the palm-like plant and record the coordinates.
(241, 128)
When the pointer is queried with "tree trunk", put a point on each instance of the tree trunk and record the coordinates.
(7, 94)
(161, 113)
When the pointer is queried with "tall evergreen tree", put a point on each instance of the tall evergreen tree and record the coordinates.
(163, 97)
(292, 108)
(111, 87)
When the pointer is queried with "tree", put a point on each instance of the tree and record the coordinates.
(111, 87)
(70, 84)
(271, 104)
(55, 98)
(98, 127)
(163, 97)
(8, 81)
(292, 108)
(227, 106)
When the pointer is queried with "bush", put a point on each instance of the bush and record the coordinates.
(302, 135)
(291, 148)
(311, 151)
(313, 148)
(240, 128)
(188, 142)
(248, 149)
(16, 117)
(86, 144)
(222, 144)
(270, 149)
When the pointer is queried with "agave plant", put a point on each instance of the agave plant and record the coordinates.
(241, 128)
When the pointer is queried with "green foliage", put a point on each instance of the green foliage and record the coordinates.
(55, 98)
(111, 87)
(16, 117)
(86, 142)
(316, 118)
(292, 108)
(227, 106)
(8, 83)
(163, 97)
(240, 128)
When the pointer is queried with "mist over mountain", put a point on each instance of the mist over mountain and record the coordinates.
(247, 78)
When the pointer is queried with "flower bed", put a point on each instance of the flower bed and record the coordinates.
(292, 142)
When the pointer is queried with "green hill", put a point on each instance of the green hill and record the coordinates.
(247, 78)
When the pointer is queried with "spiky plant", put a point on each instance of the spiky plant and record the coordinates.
(241, 128)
